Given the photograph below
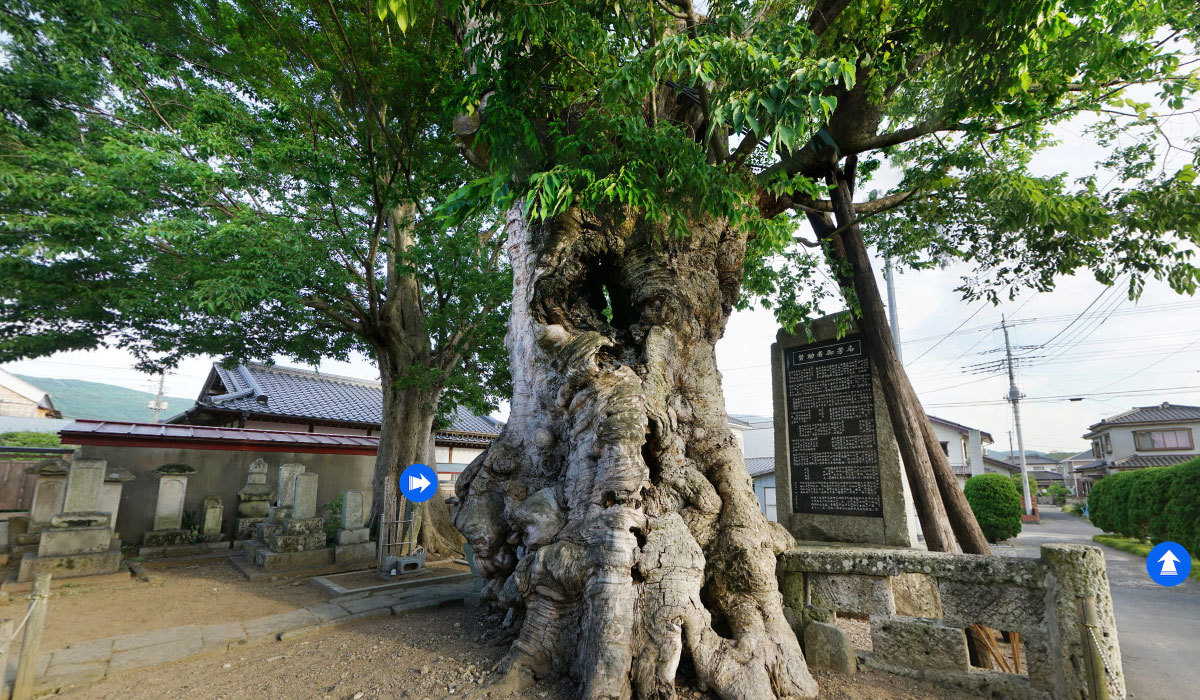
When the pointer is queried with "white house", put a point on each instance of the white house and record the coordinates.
(1147, 436)
(963, 447)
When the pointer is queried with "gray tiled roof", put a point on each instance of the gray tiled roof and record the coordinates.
(760, 466)
(291, 392)
(1152, 460)
(1162, 413)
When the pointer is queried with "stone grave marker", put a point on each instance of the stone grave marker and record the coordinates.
(305, 496)
(838, 474)
(84, 484)
(214, 513)
(287, 483)
(353, 509)
(172, 488)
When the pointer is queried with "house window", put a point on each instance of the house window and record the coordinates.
(1107, 444)
(1096, 449)
(1163, 439)
(768, 504)
(945, 447)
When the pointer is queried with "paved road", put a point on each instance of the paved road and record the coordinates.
(1159, 628)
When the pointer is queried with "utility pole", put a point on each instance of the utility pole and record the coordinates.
(1014, 397)
(157, 405)
(893, 312)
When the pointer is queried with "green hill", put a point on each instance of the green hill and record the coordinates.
(79, 399)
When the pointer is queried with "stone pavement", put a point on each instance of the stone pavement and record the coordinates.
(1159, 628)
(89, 661)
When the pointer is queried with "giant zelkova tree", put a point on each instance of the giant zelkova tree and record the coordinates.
(656, 159)
(248, 179)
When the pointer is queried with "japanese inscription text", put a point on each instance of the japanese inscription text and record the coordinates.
(832, 447)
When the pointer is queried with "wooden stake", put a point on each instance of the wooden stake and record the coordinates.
(23, 685)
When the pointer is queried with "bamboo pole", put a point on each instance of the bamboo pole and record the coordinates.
(26, 665)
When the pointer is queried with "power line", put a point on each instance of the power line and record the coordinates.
(1135, 392)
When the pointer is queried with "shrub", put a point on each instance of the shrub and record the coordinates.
(1108, 503)
(996, 504)
(1182, 518)
(1059, 492)
(1149, 491)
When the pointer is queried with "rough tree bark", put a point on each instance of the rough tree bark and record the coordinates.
(613, 519)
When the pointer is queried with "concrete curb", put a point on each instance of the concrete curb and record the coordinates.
(89, 661)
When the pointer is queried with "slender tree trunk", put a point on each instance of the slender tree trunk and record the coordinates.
(614, 518)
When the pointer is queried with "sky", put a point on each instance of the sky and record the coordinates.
(1100, 347)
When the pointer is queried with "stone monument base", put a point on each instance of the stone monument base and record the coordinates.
(247, 528)
(183, 550)
(75, 540)
(268, 560)
(358, 553)
(166, 538)
(70, 565)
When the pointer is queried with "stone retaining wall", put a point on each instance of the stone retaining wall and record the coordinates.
(921, 603)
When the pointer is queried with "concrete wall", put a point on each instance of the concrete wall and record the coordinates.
(219, 473)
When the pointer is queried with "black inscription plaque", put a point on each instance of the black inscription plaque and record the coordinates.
(831, 429)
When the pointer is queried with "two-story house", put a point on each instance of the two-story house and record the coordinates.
(1148, 436)
(963, 447)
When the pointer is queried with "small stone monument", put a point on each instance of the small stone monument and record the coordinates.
(168, 510)
(838, 474)
(212, 519)
(254, 501)
(49, 489)
(78, 541)
(110, 495)
(353, 538)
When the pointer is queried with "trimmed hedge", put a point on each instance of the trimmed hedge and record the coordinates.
(996, 504)
(1161, 503)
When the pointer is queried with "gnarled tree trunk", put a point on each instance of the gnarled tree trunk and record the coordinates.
(614, 518)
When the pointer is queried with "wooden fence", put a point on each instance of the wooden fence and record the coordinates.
(16, 487)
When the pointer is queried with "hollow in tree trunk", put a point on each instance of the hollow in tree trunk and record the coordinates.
(613, 519)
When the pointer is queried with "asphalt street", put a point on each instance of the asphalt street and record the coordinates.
(1158, 628)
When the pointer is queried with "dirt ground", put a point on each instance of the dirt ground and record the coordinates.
(202, 594)
(418, 656)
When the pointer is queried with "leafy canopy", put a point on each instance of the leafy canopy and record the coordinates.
(571, 102)
(238, 178)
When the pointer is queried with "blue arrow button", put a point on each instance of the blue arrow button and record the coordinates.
(418, 483)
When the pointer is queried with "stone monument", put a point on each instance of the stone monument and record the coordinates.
(49, 489)
(79, 540)
(110, 495)
(352, 542)
(254, 501)
(293, 537)
(168, 510)
(838, 474)
(212, 520)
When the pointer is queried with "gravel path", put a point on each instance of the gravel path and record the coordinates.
(421, 655)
